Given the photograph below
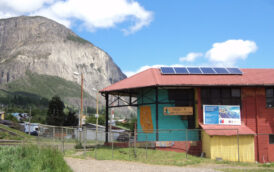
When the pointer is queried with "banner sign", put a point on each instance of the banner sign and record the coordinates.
(222, 114)
(185, 110)
(164, 144)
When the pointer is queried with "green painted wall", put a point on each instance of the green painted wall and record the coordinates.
(171, 128)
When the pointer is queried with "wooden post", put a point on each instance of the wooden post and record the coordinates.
(157, 113)
(106, 129)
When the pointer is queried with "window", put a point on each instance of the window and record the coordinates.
(271, 138)
(235, 92)
(182, 97)
(269, 94)
(221, 96)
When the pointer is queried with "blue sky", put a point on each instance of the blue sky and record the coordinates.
(142, 33)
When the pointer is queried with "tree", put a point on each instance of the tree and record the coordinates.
(55, 114)
(71, 119)
(92, 119)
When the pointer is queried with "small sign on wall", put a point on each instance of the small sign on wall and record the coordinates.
(164, 144)
(184, 110)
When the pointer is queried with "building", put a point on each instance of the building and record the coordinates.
(2, 115)
(161, 94)
(32, 128)
(21, 116)
(117, 132)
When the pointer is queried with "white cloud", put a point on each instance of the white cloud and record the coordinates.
(190, 57)
(19, 6)
(93, 14)
(230, 51)
(223, 54)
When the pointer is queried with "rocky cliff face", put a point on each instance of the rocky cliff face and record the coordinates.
(43, 46)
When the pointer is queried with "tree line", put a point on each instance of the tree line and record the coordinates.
(60, 115)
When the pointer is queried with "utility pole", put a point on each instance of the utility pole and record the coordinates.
(97, 112)
(81, 113)
(29, 119)
(97, 116)
(81, 107)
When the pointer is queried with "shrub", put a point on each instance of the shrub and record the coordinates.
(31, 159)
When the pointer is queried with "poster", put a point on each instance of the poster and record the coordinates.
(222, 114)
(146, 119)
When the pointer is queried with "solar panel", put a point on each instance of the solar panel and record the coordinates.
(194, 70)
(207, 70)
(167, 70)
(201, 70)
(180, 70)
(235, 71)
(220, 70)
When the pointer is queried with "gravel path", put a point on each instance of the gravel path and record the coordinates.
(91, 165)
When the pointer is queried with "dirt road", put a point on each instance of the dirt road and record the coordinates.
(91, 165)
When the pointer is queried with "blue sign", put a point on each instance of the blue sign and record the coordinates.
(222, 114)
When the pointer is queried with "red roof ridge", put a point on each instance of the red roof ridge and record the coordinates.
(126, 79)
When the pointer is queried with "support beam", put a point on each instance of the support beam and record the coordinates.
(106, 129)
(130, 99)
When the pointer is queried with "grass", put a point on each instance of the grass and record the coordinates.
(8, 136)
(31, 159)
(246, 170)
(267, 165)
(168, 158)
(151, 157)
(122, 127)
(17, 132)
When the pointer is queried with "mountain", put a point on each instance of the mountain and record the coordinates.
(39, 56)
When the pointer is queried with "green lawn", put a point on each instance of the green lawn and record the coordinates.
(7, 136)
(31, 159)
(150, 157)
(168, 158)
(247, 170)
(17, 132)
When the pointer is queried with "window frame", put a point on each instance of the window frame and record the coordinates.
(267, 98)
(223, 97)
(272, 139)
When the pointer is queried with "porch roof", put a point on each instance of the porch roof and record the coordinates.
(226, 130)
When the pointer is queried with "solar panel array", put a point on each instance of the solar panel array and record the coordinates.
(200, 71)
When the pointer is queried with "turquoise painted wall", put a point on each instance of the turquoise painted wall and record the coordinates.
(171, 128)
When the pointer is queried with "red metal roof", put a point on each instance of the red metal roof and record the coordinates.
(227, 130)
(153, 77)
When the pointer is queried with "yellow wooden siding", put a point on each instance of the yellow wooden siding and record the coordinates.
(206, 144)
(226, 147)
(247, 148)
